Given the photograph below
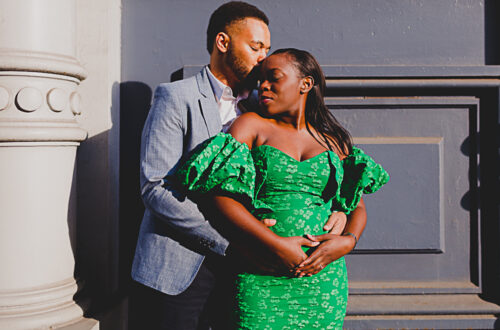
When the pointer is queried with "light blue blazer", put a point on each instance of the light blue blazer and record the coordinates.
(174, 234)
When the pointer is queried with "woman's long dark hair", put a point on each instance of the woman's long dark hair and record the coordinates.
(317, 114)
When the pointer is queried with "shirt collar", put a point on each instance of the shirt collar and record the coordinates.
(218, 87)
(220, 90)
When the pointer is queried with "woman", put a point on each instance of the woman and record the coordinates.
(295, 163)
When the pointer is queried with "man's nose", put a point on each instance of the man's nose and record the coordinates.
(262, 55)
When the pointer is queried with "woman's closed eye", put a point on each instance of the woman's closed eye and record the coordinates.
(275, 77)
(272, 77)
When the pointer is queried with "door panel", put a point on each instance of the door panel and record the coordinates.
(418, 236)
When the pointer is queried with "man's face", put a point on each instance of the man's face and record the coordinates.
(249, 44)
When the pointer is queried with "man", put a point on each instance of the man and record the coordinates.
(175, 281)
(177, 249)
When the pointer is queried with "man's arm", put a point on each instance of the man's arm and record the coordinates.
(161, 149)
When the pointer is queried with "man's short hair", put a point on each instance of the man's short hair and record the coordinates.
(228, 13)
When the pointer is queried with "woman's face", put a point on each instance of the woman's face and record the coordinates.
(280, 85)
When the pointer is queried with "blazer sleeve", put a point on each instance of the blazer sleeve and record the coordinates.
(161, 149)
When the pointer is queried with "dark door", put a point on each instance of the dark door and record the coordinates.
(418, 263)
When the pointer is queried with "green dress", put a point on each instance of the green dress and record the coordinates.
(300, 195)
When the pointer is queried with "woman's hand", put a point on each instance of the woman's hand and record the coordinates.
(332, 247)
(289, 251)
(336, 223)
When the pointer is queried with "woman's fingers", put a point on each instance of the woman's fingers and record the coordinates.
(304, 263)
(309, 260)
(314, 266)
(311, 268)
(317, 260)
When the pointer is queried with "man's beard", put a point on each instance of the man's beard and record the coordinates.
(247, 80)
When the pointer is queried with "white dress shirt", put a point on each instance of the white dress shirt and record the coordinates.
(228, 104)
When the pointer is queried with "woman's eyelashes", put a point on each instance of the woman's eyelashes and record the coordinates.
(270, 78)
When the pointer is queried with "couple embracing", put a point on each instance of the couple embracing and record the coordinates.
(246, 202)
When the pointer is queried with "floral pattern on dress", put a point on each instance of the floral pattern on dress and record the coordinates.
(300, 195)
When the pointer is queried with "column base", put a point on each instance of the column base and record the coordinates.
(82, 324)
(41, 308)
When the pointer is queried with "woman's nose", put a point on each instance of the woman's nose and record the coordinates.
(264, 85)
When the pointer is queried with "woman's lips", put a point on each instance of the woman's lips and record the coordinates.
(265, 99)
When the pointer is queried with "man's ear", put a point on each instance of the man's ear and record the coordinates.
(307, 84)
(222, 42)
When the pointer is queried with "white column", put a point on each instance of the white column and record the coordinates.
(39, 135)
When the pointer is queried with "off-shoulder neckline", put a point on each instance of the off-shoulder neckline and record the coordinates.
(293, 158)
(355, 150)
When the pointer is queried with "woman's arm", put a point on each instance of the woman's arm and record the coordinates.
(254, 233)
(287, 250)
(356, 222)
(332, 246)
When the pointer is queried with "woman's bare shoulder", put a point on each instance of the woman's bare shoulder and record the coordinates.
(246, 128)
(249, 117)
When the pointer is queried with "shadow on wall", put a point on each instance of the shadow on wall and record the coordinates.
(469, 201)
(95, 262)
(483, 201)
(105, 242)
(491, 32)
(135, 101)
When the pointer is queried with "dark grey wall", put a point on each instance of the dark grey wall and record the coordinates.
(426, 61)
(160, 36)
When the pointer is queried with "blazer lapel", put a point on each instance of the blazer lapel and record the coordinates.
(208, 104)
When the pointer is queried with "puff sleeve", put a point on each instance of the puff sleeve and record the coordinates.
(362, 175)
(220, 165)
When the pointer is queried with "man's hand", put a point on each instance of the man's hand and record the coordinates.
(332, 247)
(336, 223)
(253, 257)
(271, 222)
